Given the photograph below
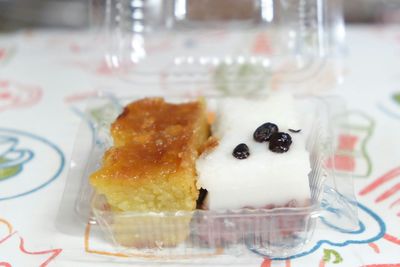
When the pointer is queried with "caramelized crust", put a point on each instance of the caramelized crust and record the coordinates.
(153, 120)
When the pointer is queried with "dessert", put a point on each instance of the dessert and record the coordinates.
(151, 167)
(260, 160)
(256, 149)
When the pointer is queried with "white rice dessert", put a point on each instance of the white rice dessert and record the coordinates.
(264, 179)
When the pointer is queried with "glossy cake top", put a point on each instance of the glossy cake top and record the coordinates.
(152, 120)
(152, 140)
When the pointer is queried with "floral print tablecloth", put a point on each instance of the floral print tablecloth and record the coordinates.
(46, 76)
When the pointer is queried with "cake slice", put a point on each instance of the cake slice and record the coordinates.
(151, 167)
(258, 174)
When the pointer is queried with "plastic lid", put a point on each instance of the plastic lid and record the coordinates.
(233, 46)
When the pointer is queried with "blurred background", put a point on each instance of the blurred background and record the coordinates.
(17, 14)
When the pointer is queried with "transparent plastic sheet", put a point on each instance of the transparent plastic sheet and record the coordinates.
(278, 232)
(339, 204)
(233, 46)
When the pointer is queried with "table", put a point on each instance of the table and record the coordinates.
(46, 76)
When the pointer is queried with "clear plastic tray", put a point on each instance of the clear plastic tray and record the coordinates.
(211, 48)
(235, 46)
(278, 232)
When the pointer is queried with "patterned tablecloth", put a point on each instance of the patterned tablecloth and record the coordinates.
(46, 76)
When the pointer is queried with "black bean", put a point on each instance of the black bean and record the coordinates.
(241, 151)
(264, 132)
(280, 142)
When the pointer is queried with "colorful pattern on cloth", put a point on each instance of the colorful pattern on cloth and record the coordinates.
(41, 110)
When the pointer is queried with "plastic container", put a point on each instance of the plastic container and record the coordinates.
(278, 232)
(181, 49)
(233, 46)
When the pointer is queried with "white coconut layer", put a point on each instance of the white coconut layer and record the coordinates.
(264, 178)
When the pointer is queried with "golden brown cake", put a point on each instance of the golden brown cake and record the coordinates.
(151, 166)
